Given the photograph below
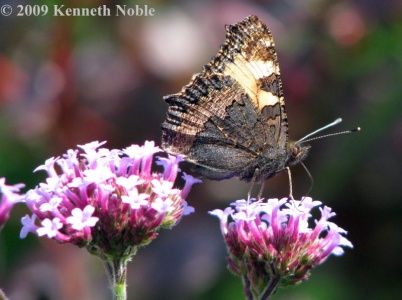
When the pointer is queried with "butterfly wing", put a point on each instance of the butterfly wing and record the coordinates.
(232, 114)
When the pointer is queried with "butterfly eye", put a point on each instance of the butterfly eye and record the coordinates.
(295, 151)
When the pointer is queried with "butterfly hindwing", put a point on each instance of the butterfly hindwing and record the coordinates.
(234, 145)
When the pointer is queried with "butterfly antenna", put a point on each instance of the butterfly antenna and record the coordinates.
(337, 121)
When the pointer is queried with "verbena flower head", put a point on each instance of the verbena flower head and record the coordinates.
(275, 240)
(109, 201)
(9, 196)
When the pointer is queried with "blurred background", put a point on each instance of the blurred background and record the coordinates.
(71, 80)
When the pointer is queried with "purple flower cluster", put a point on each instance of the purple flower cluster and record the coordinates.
(9, 196)
(273, 240)
(107, 200)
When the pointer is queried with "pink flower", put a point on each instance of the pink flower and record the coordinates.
(271, 244)
(9, 196)
(50, 227)
(107, 200)
(28, 225)
(82, 218)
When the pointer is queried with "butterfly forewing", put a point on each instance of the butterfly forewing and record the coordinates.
(230, 119)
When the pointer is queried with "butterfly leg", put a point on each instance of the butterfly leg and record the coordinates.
(290, 184)
(311, 180)
(261, 190)
(249, 192)
(252, 185)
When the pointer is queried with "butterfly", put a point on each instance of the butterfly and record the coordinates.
(230, 120)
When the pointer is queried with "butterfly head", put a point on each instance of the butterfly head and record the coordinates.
(296, 153)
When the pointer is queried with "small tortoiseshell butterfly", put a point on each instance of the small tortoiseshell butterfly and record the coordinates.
(230, 120)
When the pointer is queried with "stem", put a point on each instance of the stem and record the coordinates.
(271, 287)
(2, 296)
(247, 288)
(117, 273)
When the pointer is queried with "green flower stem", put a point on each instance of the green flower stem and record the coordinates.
(247, 288)
(120, 291)
(2, 296)
(271, 288)
(117, 273)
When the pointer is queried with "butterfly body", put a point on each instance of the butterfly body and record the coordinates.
(230, 120)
